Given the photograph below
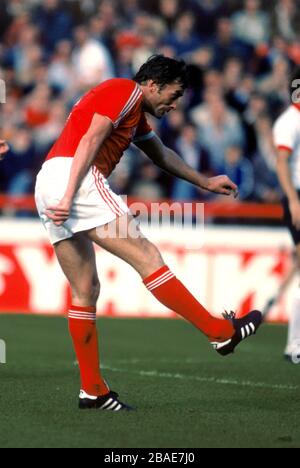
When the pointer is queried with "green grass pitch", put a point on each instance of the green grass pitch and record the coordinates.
(187, 396)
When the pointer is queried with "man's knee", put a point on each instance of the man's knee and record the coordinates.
(152, 258)
(96, 288)
(149, 249)
(87, 292)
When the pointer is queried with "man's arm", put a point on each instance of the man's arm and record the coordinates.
(285, 178)
(100, 129)
(172, 163)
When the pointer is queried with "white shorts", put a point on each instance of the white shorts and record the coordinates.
(95, 204)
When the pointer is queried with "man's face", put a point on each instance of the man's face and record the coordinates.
(161, 101)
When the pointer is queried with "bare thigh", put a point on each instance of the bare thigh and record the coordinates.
(77, 259)
(124, 239)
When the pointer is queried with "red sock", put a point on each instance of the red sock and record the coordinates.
(83, 330)
(173, 294)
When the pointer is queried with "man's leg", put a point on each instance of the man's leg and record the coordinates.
(145, 258)
(77, 259)
(293, 346)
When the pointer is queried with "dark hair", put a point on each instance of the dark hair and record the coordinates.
(163, 71)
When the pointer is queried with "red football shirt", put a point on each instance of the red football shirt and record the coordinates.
(121, 101)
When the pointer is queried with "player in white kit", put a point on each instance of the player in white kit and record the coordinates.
(287, 141)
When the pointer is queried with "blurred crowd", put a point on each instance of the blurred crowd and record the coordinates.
(240, 54)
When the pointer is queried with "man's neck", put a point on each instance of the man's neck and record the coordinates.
(145, 105)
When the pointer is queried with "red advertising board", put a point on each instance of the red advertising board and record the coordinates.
(232, 269)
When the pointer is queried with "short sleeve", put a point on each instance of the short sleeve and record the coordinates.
(117, 100)
(284, 134)
(144, 131)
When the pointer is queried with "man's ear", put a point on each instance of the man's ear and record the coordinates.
(153, 87)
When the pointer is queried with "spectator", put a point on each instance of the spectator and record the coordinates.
(238, 97)
(171, 127)
(213, 81)
(19, 164)
(219, 127)
(285, 19)
(10, 113)
(150, 45)
(240, 170)
(54, 22)
(18, 7)
(275, 86)
(61, 73)
(47, 133)
(141, 23)
(188, 146)
(147, 187)
(169, 10)
(207, 13)
(100, 31)
(119, 180)
(92, 61)
(130, 10)
(12, 37)
(201, 61)
(257, 106)
(184, 39)
(110, 12)
(232, 74)
(25, 54)
(252, 24)
(278, 50)
(5, 19)
(225, 45)
(239, 54)
(36, 110)
(144, 23)
(126, 44)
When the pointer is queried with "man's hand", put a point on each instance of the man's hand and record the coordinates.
(4, 148)
(295, 212)
(222, 185)
(59, 213)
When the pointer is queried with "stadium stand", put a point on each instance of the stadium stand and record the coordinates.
(240, 55)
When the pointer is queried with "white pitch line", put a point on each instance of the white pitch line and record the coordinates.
(167, 375)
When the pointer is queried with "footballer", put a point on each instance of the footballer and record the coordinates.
(287, 141)
(77, 207)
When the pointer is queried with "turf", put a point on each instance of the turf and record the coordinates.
(187, 396)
